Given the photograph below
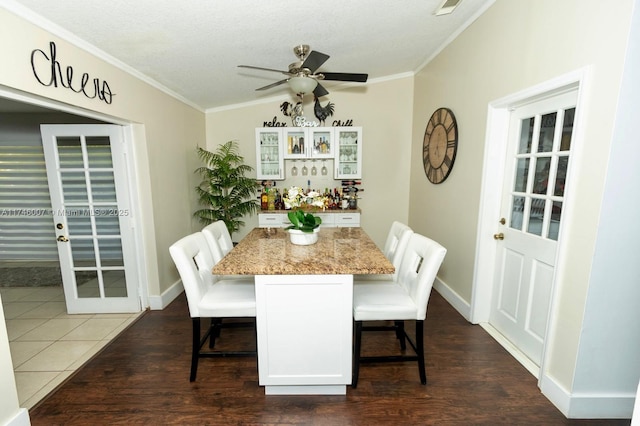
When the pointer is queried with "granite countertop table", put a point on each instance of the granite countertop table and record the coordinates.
(268, 251)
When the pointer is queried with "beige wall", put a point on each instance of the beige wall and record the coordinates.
(165, 134)
(517, 44)
(385, 118)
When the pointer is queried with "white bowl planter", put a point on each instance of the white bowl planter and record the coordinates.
(300, 238)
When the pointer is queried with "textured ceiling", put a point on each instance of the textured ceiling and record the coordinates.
(193, 47)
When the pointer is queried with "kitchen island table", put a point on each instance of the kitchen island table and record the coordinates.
(304, 297)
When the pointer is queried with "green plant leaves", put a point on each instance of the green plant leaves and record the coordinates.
(225, 192)
(305, 222)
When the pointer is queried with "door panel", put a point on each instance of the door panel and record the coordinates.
(532, 199)
(89, 196)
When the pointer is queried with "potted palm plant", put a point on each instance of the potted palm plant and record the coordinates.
(225, 192)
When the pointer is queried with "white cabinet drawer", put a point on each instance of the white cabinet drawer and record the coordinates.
(346, 220)
(329, 220)
(271, 220)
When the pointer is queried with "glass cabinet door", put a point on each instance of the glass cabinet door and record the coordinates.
(269, 158)
(348, 153)
(321, 139)
(295, 142)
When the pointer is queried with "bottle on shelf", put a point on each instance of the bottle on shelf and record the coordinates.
(352, 189)
(350, 182)
(271, 200)
(264, 199)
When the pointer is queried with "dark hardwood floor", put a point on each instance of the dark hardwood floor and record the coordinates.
(142, 378)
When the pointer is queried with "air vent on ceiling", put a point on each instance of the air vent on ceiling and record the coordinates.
(447, 7)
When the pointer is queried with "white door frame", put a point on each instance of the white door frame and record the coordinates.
(132, 174)
(491, 191)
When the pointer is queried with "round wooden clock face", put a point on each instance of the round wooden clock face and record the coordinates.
(440, 145)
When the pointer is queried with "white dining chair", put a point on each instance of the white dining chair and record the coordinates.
(219, 239)
(208, 296)
(399, 300)
(394, 248)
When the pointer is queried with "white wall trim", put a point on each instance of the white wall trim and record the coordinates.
(45, 24)
(587, 405)
(454, 299)
(496, 139)
(335, 88)
(158, 303)
(144, 272)
(20, 419)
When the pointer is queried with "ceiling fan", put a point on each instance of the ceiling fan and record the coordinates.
(302, 76)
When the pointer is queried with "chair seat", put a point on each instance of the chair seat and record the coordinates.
(229, 298)
(382, 301)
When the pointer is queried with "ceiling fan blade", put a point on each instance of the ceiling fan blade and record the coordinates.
(264, 69)
(345, 76)
(320, 91)
(314, 60)
(269, 86)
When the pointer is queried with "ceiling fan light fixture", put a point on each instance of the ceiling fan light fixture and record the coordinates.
(302, 84)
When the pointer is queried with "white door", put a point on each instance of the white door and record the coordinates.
(532, 201)
(86, 170)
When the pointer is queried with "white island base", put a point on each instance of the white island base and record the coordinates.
(304, 328)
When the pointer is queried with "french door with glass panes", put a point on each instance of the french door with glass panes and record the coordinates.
(86, 171)
(533, 196)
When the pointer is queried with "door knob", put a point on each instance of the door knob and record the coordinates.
(62, 239)
(499, 236)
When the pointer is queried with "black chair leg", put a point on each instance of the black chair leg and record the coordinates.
(195, 351)
(216, 325)
(400, 334)
(420, 351)
(356, 354)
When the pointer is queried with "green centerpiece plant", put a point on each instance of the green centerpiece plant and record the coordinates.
(225, 192)
(305, 222)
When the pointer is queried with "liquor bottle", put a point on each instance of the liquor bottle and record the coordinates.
(264, 199)
(271, 200)
(350, 182)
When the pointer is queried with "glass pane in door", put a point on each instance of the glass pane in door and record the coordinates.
(92, 216)
(526, 136)
(547, 130)
(537, 196)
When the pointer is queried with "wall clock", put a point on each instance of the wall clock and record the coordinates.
(440, 145)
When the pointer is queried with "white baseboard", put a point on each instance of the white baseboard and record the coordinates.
(587, 405)
(20, 419)
(158, 303)
(573, 406)
(454, 299)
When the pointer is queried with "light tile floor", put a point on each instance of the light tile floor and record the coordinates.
(47, 344)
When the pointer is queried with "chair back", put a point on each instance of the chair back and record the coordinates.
(219, 239)
(396, 244)
(194, 262)
(420, 264)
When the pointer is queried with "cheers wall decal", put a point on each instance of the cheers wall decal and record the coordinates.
(49, 72)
